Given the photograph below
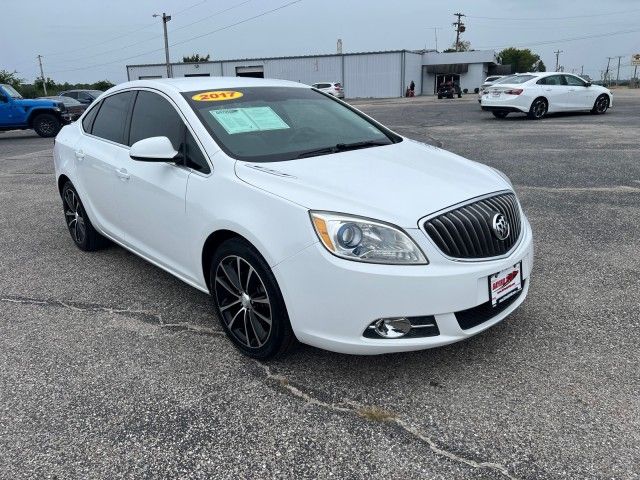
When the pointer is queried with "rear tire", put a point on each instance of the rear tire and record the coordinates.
(500, 114)
(46, 125)
(538, 109)
(248, 301)
(80, 227)
(601, 105)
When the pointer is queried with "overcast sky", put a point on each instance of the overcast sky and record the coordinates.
(89, 40)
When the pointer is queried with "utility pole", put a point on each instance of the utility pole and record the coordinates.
(44, 82)
(165, 19)
(618, 75)
(581, 70)
(558, 52)
(607, 75)
(460, 28)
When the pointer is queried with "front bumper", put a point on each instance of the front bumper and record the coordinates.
(332, 301)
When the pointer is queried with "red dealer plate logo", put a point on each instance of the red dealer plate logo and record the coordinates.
(505, 283)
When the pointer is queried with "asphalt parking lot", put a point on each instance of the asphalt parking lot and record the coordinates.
(113, 368)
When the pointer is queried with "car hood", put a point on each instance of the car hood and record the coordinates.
(398, 183)
(32, 103)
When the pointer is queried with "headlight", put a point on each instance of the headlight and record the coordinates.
(366, 240)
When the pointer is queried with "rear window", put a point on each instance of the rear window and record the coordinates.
(517, 79)
(262, 124)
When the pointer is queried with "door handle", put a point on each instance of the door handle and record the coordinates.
(547, 89)
(79, 154)
(123, 174)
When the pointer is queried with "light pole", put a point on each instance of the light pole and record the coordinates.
(165, 19)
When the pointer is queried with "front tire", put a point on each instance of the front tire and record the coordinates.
(500, 114)
(538, 109)
(601, 105)
(80, 227)
(248, 301)
(46, 125)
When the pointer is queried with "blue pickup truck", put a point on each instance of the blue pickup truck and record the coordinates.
(46, 117)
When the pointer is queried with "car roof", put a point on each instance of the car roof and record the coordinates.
(189, 84)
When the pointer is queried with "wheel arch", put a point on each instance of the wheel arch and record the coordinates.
(62, 179)
(38, 111)
(212, 243)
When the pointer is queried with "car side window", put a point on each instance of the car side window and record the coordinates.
(154, 116)
(71, 94)
(574, 81)
(87, 121)
(112, 116)
(84, 96)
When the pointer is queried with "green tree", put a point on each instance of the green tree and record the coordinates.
(521, 60)
(102, 85)
(10, 78)
(463, 46)
(196, 58)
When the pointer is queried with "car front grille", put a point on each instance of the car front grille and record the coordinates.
(467, 232)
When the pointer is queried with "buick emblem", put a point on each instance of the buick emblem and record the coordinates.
(501, 227)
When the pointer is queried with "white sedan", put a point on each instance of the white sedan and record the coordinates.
(302, 217)
(537, 94)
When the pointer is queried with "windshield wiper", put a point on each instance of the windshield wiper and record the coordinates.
(343, 147)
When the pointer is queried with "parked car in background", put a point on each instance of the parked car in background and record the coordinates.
(487, 83)
(85, 97)
(274, 198)
(74, 107)
(332, 88)
(45, 116)
(449, 90)
(539, 93)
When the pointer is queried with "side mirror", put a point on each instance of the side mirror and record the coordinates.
(588, 84)
(3, 99)
(153, 149)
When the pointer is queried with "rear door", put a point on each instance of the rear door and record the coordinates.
(101, 157)
(554, 89)
(155, 193)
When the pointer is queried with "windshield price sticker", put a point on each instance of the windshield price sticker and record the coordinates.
(217, 96)
(254, 119)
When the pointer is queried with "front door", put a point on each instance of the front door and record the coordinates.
(154, 200)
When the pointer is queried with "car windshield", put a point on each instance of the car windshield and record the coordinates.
(262, 124)
(68, 101)
(11, 91)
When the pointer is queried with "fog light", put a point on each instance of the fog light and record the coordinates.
(392, 327)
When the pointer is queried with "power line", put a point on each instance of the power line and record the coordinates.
(570, 39)
(121, 36)
(184, 41)
(557, 18)
(88, 57)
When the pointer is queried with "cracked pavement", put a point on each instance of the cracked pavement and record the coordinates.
(113, 368)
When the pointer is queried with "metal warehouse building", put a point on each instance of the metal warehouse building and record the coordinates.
(363, 75)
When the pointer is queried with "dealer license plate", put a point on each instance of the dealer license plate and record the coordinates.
(505, 284)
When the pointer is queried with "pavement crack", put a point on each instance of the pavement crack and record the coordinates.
(146, 316)
(365, 411)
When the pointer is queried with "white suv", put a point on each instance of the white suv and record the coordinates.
(332, 88)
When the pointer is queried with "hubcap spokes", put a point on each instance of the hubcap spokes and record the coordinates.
(243, 301)
(73, 215)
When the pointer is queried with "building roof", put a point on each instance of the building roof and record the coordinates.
(256, 59)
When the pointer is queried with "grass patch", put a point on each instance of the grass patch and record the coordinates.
(376, 414)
